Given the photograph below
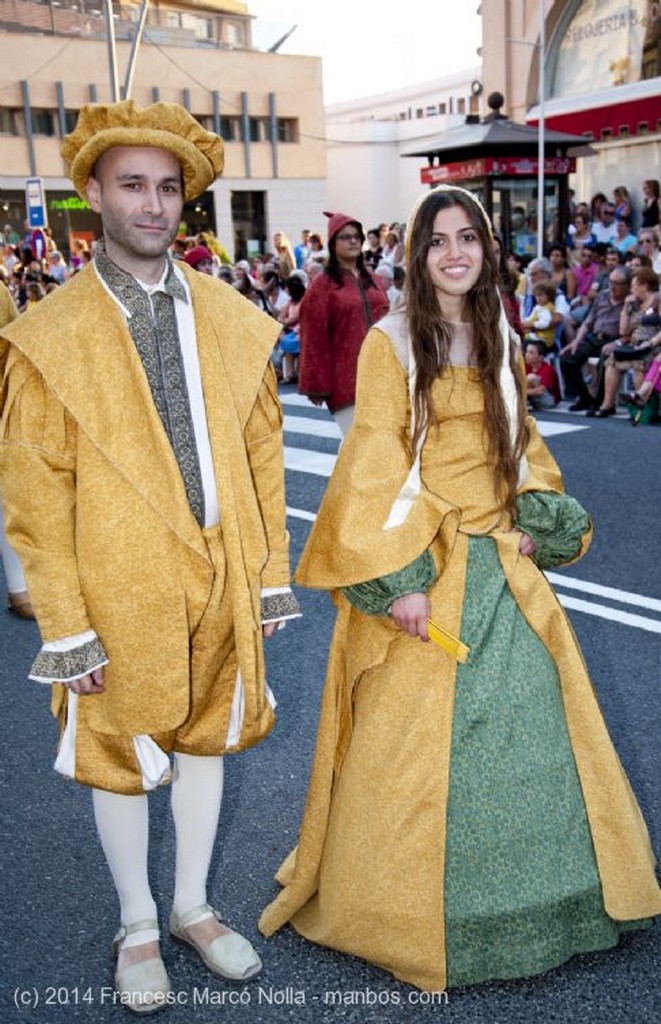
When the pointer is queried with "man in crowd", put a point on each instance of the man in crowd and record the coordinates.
(602, 324)
(603, 228)
(144, 489)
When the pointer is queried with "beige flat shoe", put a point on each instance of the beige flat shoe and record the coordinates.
(229, 955)
(144, 986)
(20, 604)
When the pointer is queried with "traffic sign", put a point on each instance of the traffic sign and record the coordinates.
(35, 201)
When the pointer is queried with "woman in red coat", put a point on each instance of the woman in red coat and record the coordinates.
(339, 308)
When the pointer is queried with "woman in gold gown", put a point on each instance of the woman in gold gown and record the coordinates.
(471, 821)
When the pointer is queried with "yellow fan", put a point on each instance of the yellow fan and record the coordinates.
(451, 644)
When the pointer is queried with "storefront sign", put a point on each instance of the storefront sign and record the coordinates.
(510, 166)
(70, 203)
(35, 203)
(460, 171)
(604, 46)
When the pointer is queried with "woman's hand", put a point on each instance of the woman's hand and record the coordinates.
(527, 545)
(410, 613)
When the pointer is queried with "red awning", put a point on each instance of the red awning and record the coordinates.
(631, 117)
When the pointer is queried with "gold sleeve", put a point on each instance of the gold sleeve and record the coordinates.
(37, 475)
(263, 435)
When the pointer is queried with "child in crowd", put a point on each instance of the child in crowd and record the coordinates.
(539, 325)
(542, 386)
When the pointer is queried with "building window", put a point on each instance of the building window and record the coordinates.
(461, 105)
(7, 121)
(70, 120)
(230, 128)
(259, 129)
(442, 108)
(42, 122)
(419, 112)
(287, 129)
(233, 33)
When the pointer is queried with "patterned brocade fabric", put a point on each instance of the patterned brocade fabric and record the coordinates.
(556, 523)
(156, 339)
(374, 597)
(67, 665)
(280, 606)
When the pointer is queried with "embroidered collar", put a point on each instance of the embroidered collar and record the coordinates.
(127, 288)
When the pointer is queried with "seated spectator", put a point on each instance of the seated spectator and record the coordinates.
(289, 315)
(640, 338)
(563, 278)
(601, 325)
(539, 326)
(651, 382)
(582, 235)
(57, 268)
(648, 245)
(542, 270)
(542, 385)
(245, 285)
(625, 241)
(274, 290)
(603, 228)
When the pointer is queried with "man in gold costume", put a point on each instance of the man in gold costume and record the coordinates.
(143, 481)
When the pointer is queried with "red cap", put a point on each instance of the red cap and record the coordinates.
(338, 221)
(194, 256)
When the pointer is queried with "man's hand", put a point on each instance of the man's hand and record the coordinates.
(269, 628)
(410, 613)
(609, 347)
(89, 684)
(571, 347)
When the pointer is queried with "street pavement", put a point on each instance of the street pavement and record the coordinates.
(59, 911)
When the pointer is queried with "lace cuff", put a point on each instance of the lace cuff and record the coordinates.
(62, 661)
(374, 597)
(279, 605)
(555, 522)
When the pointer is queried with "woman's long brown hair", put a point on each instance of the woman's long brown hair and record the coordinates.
(431, 336)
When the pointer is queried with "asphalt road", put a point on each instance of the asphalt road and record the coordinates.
(59, 910)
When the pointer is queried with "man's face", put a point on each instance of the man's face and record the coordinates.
(618, 287)
(612, 260)
(607, 215)
(138, 192)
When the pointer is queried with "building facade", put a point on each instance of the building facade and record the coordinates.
(368, 138)
(602, 80)
(54, 58)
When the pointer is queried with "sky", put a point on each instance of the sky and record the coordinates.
(373, 46)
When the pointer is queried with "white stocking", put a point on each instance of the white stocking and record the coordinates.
(197, 793)
(123, 826)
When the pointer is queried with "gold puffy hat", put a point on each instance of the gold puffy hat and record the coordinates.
(166, 126)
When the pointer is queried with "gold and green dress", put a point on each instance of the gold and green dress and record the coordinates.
(463, 822)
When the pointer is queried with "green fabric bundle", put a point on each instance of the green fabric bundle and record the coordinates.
(555, 522)
(374, 597)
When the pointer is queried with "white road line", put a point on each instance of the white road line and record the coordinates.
(547, 429)
(610, 593)
(308, 425)
(294, 399)
(614, 614)
(300, 513)
(301, 460)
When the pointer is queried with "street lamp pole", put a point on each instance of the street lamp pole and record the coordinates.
(540, 137)
(112, 51)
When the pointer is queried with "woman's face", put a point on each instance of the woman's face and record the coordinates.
(556, 258)
(454, 257)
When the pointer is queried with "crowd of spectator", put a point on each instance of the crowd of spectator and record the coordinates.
(589, 309)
